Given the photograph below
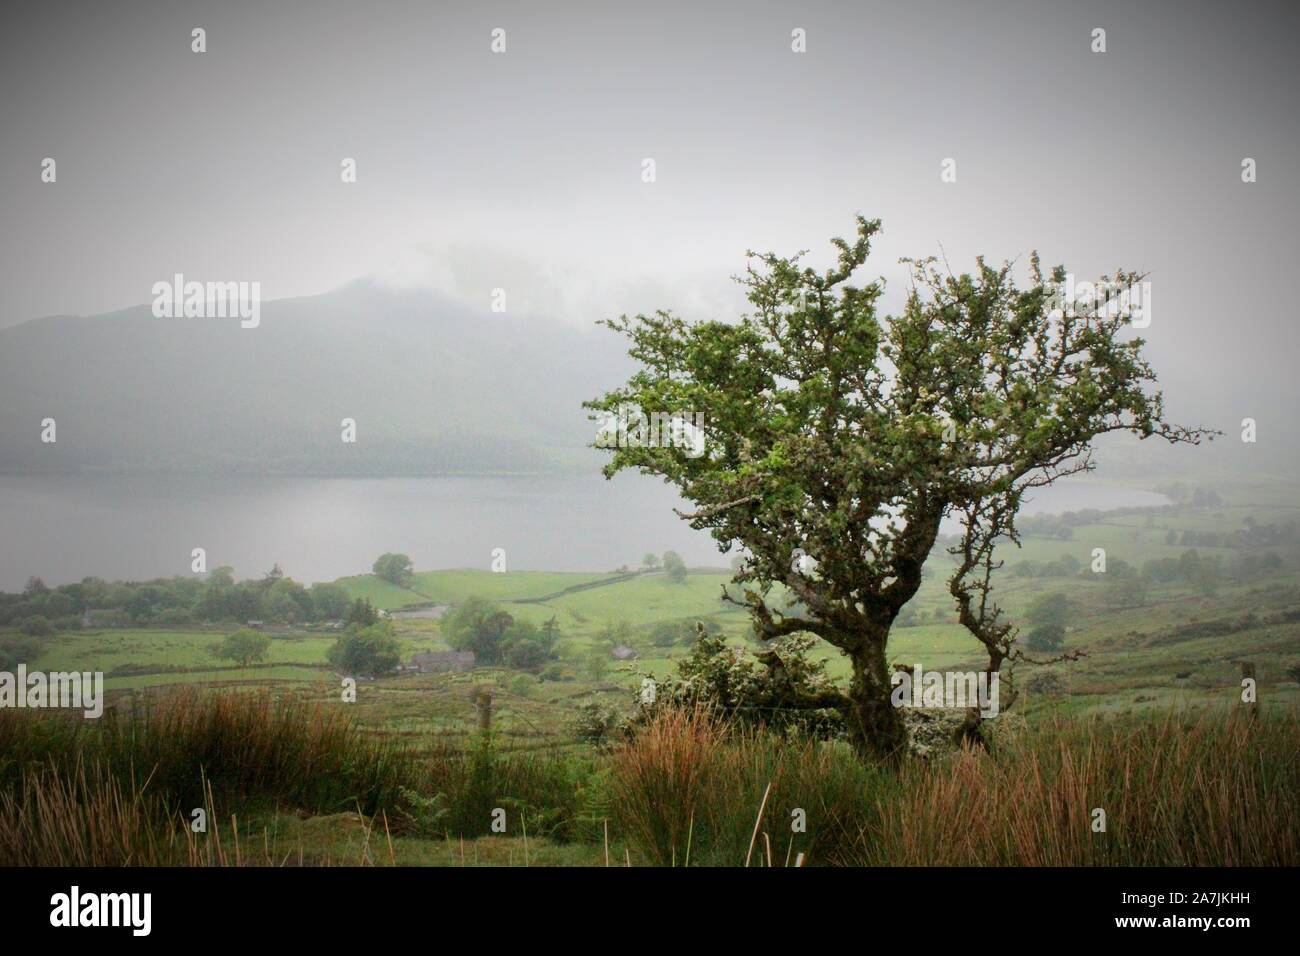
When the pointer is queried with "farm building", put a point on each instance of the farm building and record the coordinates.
(623, 653)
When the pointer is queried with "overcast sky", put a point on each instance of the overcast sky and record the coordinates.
(523, 170)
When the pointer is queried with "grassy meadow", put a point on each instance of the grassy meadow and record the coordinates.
(404, 775)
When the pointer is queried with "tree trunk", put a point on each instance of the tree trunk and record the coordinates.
(971, 731)
(875, 726)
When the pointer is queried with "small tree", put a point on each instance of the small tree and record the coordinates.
(478, 625)
(650, 561)
(362, 613)
(367, 651)
(244, 647)
(394, 568)
(38, 625)
(527, 647)
(329, 601)
(833, 434)
(1048, 617)
(18, 649)
(675, 567)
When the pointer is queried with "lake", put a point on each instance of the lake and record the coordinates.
(64, 528)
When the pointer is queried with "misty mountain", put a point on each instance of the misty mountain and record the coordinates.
(434, 386)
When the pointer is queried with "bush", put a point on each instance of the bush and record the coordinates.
(675, 567)
(546, 792)
(394, 568)
(18, 649)
(37, 626)
(244, 647)
(368, 652)
(177, 617)
(596, 725)
(736, 685)
(522, 685)
(1047, 683)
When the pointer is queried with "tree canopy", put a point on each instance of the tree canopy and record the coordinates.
(845, 436)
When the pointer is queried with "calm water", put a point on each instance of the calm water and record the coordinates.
(66, 528)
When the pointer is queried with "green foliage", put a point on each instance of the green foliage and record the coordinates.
(543, 792)
(478, 625)
(37, 626)
(668, 633)
(330, 601)
(523, 685)
(362, 614)
(178, 602)
(1048, 617)
(18, 649)
(394, 568)
(244, 647)
(527, 647)
(597, 725)
(788, 691)
(675, 567)
(837, 433)
(367, 651)
(495, 636)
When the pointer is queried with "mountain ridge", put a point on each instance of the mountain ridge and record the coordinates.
(434, 387)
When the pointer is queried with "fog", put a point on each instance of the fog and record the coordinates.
(522, 170)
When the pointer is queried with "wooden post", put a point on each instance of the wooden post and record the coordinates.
(484, 703)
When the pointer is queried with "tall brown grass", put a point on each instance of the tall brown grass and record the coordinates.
(123, 791)
(1203, 791)
(250, 747)
(85, 816)
(689, 789)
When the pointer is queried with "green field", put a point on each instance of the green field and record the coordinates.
(1178, 650)
(1134, 655)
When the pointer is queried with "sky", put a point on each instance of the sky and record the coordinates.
(523, 170)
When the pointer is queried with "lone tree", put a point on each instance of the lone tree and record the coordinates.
(394, 568)
(836, 440)
(244, 647)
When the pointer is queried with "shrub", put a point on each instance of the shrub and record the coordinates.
(544, 791)
(244, 647)
(37, 626)
(371, 651)
(778, 690)
(595, 724)
(18, 649)
(522, 685)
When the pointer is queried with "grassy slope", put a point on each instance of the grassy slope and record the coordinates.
(1132, 664)
(1129, 665)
